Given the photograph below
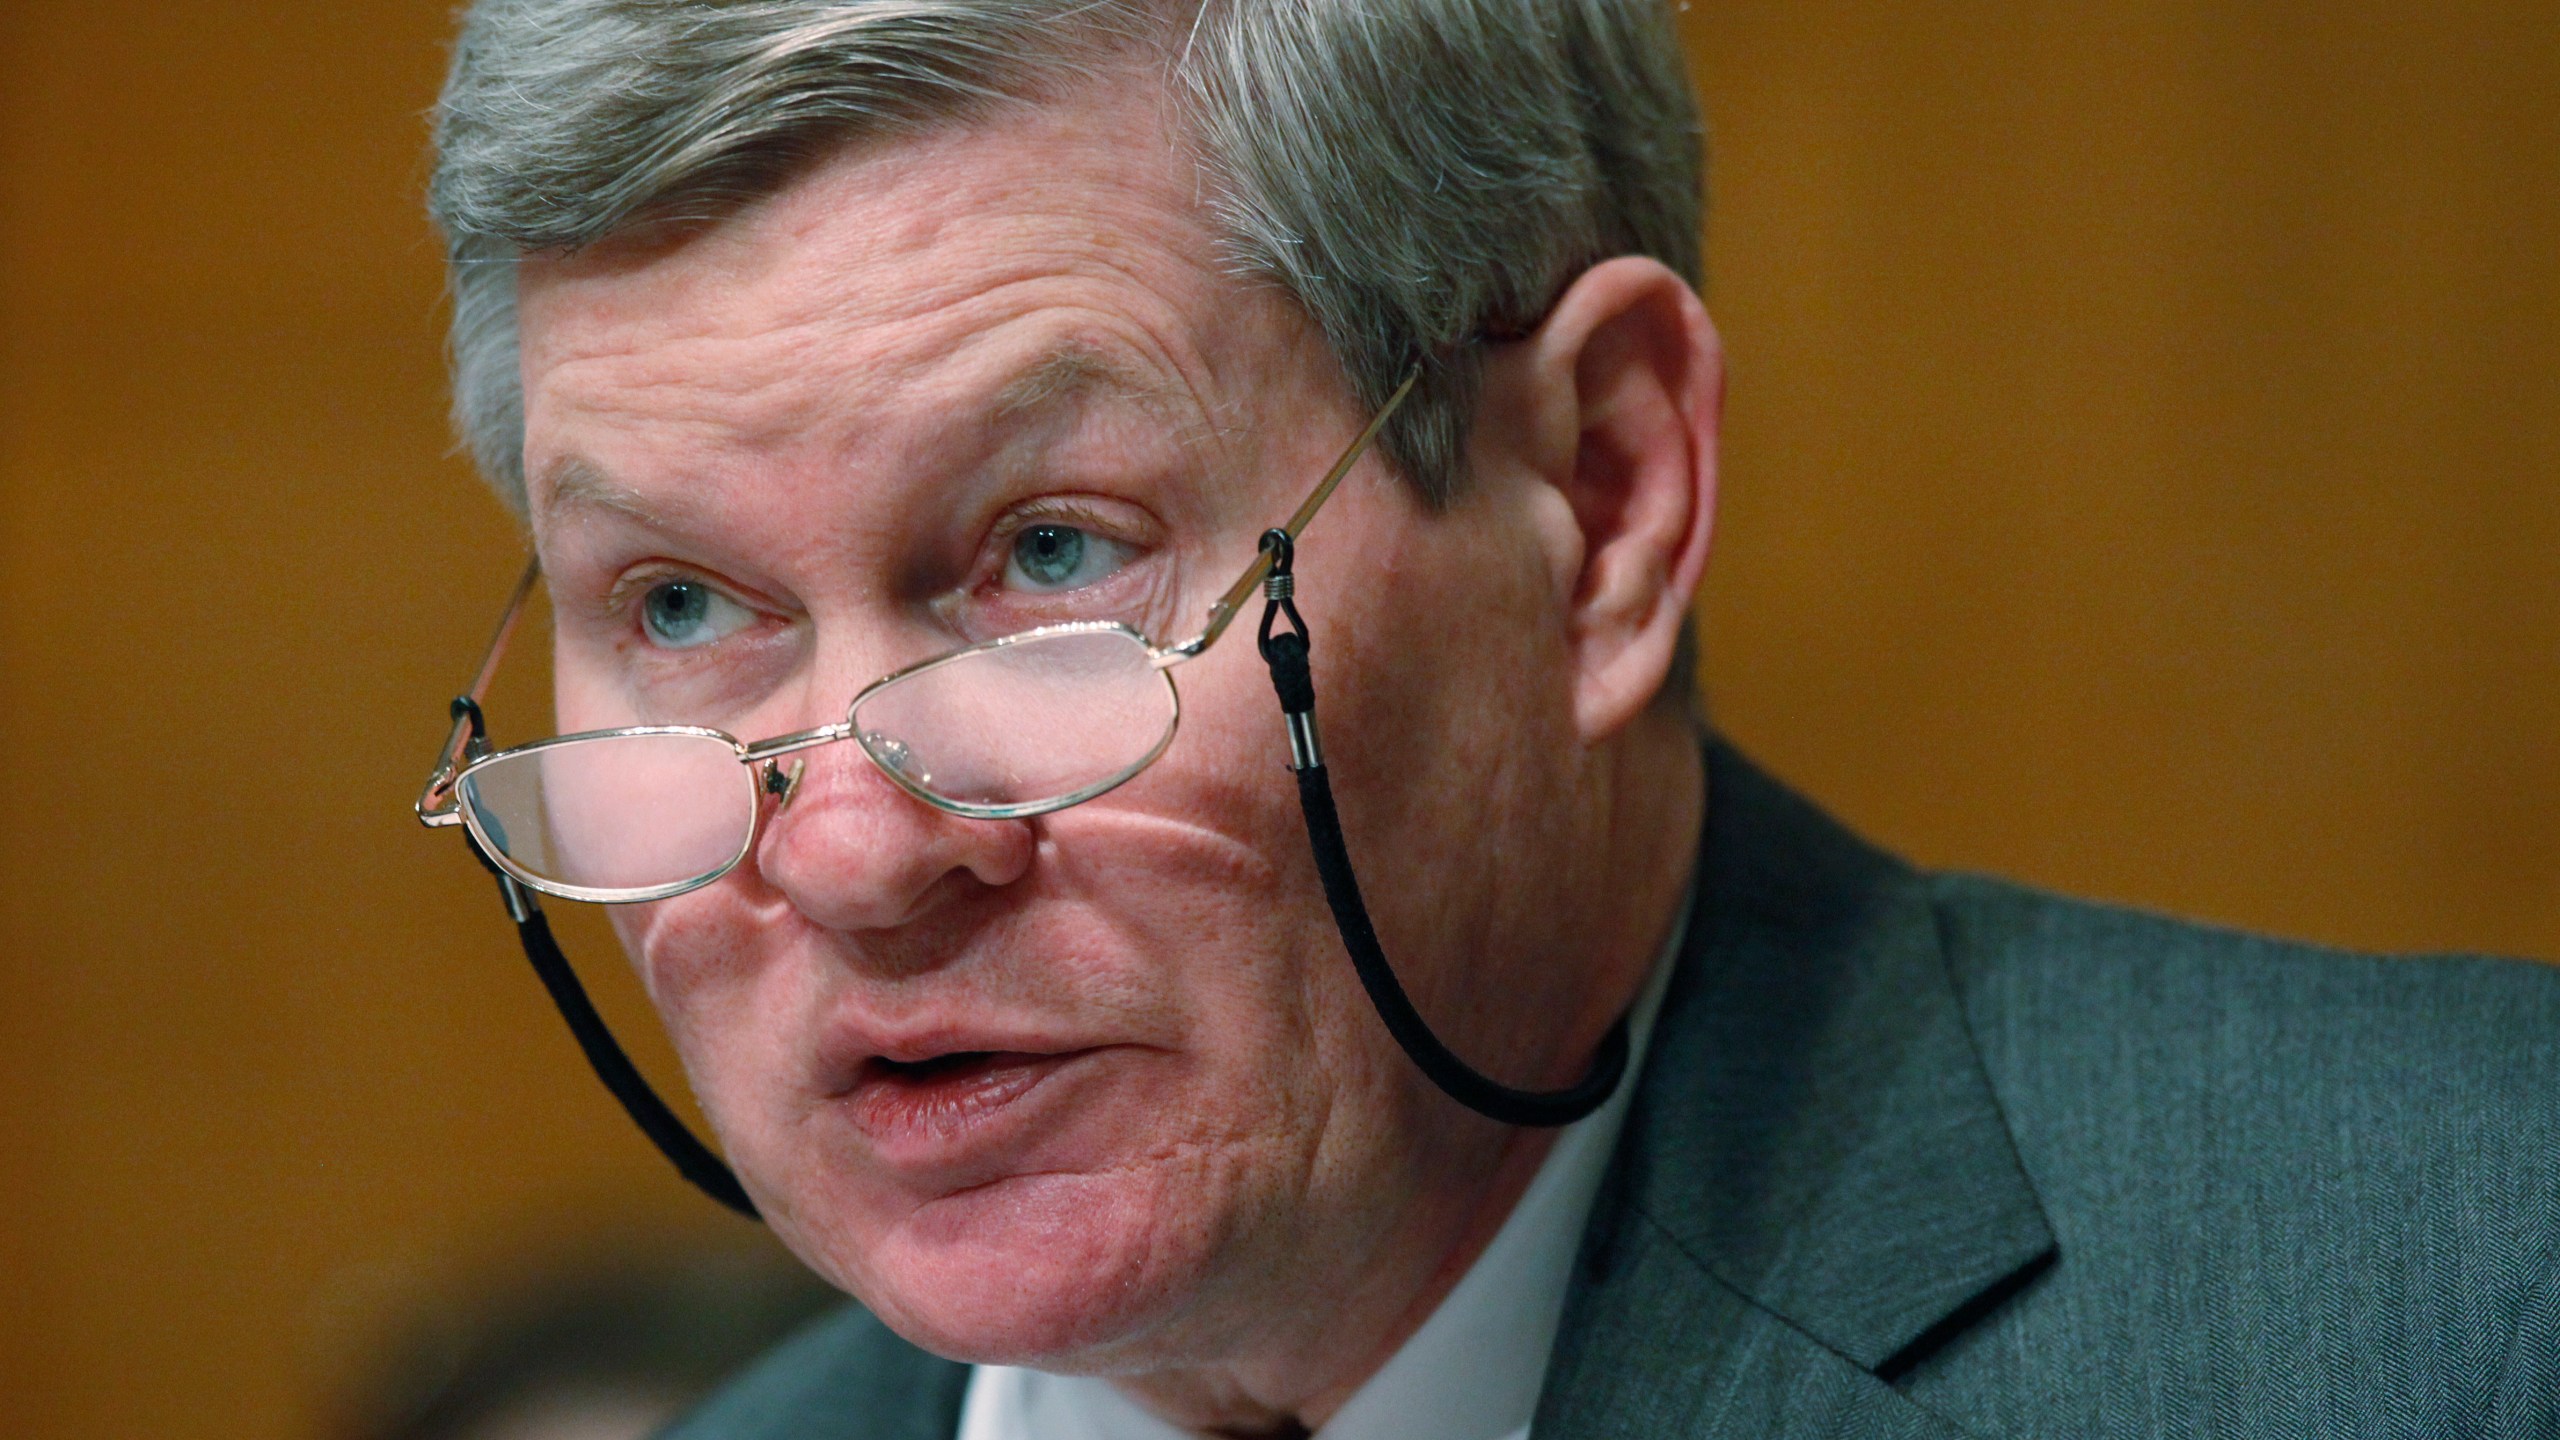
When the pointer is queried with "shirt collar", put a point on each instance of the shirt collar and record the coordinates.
(1472, 1372)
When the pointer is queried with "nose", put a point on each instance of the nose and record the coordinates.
(851, 851)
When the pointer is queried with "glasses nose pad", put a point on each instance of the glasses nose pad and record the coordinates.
(783, 784)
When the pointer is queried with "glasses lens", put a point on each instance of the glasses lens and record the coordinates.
(617, 813)
(1032, 723)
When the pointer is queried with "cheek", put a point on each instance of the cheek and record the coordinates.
(696, 957)
(583, 696)
(677, 944)
(1281, 1037)
(1446, 726)
(1208, 919)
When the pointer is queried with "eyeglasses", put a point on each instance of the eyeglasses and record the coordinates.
(1016, 726)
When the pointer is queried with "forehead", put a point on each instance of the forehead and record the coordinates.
(1058, 250)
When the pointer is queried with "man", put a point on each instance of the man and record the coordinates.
(820, 339)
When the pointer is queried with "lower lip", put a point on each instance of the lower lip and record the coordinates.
(935, 1110)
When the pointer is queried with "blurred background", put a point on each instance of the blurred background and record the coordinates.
(2144, 479)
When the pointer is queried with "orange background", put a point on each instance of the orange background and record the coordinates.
(2142, 479)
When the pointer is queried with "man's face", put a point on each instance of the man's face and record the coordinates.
(1097, 1088)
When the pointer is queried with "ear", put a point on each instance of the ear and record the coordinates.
(1621, 390)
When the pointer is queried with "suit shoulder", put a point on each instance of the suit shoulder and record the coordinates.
(2351, 1104)
(2131, 1053)
(2338, 1173)
(845, 1377)
(2076, 969)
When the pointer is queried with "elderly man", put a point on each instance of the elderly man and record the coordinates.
(976, 344)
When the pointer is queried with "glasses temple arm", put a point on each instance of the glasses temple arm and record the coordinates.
(498, 638)
(1228, 606)
(467, 721)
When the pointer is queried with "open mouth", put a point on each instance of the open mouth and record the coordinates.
(945, 1093)
(940, 1067)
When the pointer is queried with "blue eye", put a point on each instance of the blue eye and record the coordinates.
(1061, 557)
(681, 614)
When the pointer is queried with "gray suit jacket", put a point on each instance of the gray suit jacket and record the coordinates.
(1934, 1156)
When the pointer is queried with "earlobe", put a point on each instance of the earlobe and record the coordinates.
(1628, 381)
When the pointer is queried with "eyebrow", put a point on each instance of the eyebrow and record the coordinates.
(1079, 367)
(575, 483)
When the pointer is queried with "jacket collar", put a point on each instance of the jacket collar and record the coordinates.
(1816, 1186)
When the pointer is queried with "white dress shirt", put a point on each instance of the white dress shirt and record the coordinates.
(1472, 1372)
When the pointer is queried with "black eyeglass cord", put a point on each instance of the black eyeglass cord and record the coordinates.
(1286, 653)
(695, 1161)
(1291, 676)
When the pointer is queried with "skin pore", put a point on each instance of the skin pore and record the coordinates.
(851, 427)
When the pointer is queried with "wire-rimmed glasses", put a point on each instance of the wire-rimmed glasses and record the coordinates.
(1016, 726)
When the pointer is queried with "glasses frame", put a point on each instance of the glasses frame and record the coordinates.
(466, 748)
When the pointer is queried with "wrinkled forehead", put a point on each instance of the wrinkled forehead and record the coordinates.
(991, 271)
(1035, 388)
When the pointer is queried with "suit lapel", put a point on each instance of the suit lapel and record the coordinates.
(1655, 1347)
(1815, 1186)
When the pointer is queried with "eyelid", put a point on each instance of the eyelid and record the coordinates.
(635, 583)
(1117, 522)
(1084, 511)
(622, 600)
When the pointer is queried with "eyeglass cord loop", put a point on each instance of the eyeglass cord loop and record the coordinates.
(1279, 593)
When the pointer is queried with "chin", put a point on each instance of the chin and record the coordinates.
(1066, 1271)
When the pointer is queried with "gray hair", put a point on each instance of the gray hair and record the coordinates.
(1417, 174)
